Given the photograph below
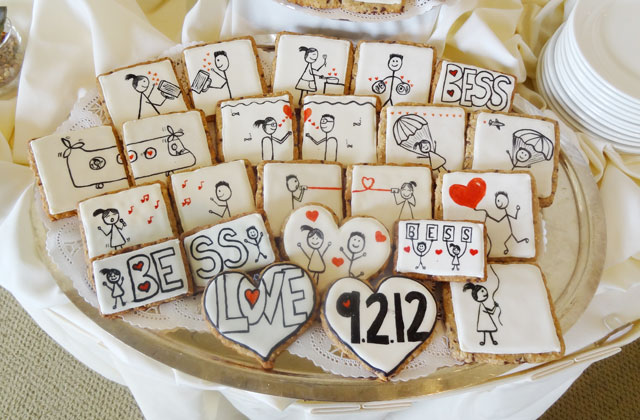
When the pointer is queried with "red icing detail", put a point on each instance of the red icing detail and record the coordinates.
(307, 114)
(438, 251)
(138, 266)
(144, 286)
(252, 296)
(337, 261)
(346, 303)
(453, 72)
(450, 92)
(312, 215)
(469, 195)
(367, 182)
(380, 237)
(287, 111)
(473, 251)
(407, 249)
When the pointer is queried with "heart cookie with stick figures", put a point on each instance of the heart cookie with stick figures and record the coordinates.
(259, 317)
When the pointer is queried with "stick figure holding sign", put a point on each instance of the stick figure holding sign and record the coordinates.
(455, 250)
(421, 248)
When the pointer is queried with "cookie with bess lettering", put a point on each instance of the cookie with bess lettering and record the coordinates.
(383, 328)
(359, 247)
(260, 317)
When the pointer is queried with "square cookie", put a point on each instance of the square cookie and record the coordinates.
(516, 142)
(441, 250)
(432, 135)
(122, 219)
(283, 187)
(213, 193)
(339, 128)
(76, 165)
(507, 204)
(141, 90)
(507, 319)
(395, 71)
(374, 6)
(223, 70)
(389, 192)
(257, 129)
(472, 87)
(138, 279)
(307, 64)
(158, 146)
(242, 243)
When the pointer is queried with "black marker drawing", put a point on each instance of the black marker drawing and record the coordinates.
(203, 81)
(180, 156)
(141, 84)
(223, 195)
(502, 203)
(456, 252)
(115, 224)
(358, 123)
(307, 81)
(98, 160)
(254, 238)
(114, 277)
(296, 190)
(529, 147)
(327, 123)
(404, 198)
(496, 123)
(420, 248)
(402, 87)
(411, 132)
(355, 245)
(269, 125)
(487, 316)
(315, 240)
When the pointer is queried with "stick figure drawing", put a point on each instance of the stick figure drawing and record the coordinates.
(115, 279)
(502, 203)
(411, 132)
(355, 250)
(327, 123)
(115, 224)
(269, 125)
(315, 240)
(401, 87)
(405, 199)
(141, 84)
(488, 309)
(307, 81)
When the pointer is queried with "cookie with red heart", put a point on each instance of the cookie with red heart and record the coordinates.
(260, 317)
(312, 237)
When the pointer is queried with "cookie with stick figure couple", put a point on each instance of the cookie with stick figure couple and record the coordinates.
(257, 128)
(223, 70)
(311, 64)
(509, 318)
(440, 250)
(505, 201)
(395, 71)
(123, 219)
(141, 90)
(389, 192)
(514, 142)
(314, 238)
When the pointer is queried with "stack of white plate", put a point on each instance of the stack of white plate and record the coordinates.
(589, 71)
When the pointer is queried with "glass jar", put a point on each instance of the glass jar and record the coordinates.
(11, 56)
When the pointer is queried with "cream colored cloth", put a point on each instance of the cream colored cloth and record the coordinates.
(71, 41)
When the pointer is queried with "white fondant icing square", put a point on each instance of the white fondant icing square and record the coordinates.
(77, 165)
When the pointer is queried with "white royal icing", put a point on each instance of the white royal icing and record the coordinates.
(158, 146)
(223, 70)
(306, 71)
(287, 186)
(260, 317)
(311, 239)
(141, 277)
(512, 142)
(212, 193)
(240, 244)
(513, 310)
(480, 194)
(394, 72)
(441, 248)
(391, 193)
(339, 128)
(157, 91)
(347, 305)
(123, 219)
(430, 135)
(257, 129)
(77, 165)
(473, 87)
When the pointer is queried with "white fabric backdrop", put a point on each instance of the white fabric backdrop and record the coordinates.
(70, 41)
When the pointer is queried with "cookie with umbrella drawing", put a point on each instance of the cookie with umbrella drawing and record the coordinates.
(530, 147)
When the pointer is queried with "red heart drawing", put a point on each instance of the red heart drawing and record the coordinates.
(312, 215)
(149, 152)
(438, 251)
(402, 77)
(367, 182)
(371, 78)
(131, 157)
(376, 78)
(453, 72)
(469, 195)
(346, 303)
(287, 110)
(380, 237)
(138, 266)
(144, 286)
(407, 249)
(337, 261)
(450, 92)
(307, 113)
(252, 296)
(473, 251)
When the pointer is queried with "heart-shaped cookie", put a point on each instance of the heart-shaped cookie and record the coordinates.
(384, 328)
(260, 317)
(360, 248)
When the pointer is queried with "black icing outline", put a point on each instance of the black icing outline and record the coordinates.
(375, 369)
(354, 101)
(256, 102)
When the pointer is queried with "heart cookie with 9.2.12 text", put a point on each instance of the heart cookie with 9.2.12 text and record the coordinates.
(260, 317)
(312, 238)
(382, 328)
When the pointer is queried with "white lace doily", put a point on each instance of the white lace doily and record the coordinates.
(64, 246)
